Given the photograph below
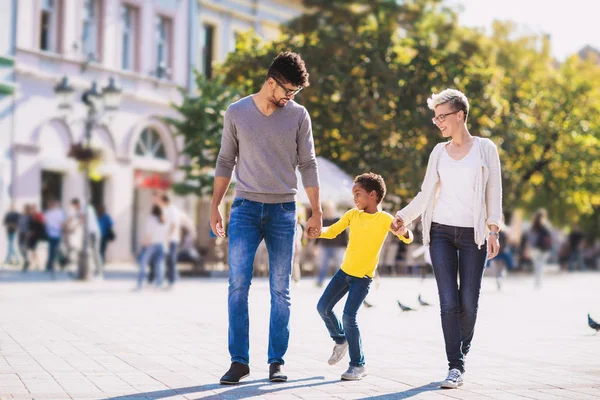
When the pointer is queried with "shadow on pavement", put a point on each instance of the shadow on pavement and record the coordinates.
(247, 389)
(406, 394)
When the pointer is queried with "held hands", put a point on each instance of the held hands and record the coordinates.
(314, 225)
(397, 227)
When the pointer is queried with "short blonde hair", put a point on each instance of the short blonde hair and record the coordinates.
(456, 98)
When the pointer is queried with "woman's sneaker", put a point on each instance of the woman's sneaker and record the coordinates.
(339, 351)
(453, 380)
(354, 373)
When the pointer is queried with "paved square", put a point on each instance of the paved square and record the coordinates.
(98, 340)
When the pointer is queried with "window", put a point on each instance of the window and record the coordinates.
(163, 46)
(128, 37)
(89, 34)
(48, 25)
(208, 49)
(150, 145)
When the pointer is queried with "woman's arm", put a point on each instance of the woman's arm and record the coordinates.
(493, 193)
(418, 204)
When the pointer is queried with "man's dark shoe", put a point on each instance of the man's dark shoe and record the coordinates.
(236, 372)
(275, 374)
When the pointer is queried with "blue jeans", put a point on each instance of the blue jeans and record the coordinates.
(251, 222)
(454, 252)
(172, 274)
(53, 244)
(155, 252)
(329, 253)
(12, 249)
(357, 289)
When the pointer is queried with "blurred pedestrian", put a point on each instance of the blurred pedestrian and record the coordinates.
(575, 240)
(107, 233)
(155, 238)
(54, 219)
(11, 224)
(539, 240)
(330, 251)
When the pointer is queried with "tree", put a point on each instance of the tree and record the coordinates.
(201, 126)
(372, 65)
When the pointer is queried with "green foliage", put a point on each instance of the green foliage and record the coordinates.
(201, 125)
(374, 63)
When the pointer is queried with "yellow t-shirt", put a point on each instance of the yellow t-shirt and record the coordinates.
(367, 234)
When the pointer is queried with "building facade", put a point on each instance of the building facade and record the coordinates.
(151, 47)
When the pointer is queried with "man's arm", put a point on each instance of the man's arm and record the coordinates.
(315, 222)
(226, 162)
(307, 165)
(216, 219)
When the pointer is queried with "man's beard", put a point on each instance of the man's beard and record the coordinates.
(279, 103)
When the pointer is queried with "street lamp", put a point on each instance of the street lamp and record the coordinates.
(97, 102)
(64, 92)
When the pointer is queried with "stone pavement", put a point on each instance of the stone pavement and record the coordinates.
(96, 340)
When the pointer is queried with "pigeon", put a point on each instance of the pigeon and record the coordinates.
(423, 302)
(403, 307)
(593, 324)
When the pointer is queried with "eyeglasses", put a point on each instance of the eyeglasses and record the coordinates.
(442, 117)
(288, 92)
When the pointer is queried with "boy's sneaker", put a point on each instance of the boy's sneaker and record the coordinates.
(236, 372)
(453, 380)
(354, 373)
(339, 351)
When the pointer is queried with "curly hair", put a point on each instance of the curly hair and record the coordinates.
(370, 182)
(289, 66)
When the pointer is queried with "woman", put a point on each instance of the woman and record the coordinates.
(461, 205)
(157, 234)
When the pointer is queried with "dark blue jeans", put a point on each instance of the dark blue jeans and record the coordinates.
(454, 253)
(357, 289)
(249, 224)
(172, 273)
(53, 244)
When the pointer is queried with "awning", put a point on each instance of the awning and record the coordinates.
(335, 185)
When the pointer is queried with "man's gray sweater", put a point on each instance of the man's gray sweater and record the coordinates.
(266, 150)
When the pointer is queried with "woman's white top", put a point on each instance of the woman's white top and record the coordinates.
(158, 232)
(488, 191)
(456, 202)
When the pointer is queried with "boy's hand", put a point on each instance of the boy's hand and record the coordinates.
(396, 225)
(402, 231)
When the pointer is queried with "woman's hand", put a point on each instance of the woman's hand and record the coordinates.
(493, 245)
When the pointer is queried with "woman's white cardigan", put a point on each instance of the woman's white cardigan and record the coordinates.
(487, 206)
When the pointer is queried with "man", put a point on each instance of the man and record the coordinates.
(55, 219)
(173, 218)
(93, 232)
(11, 223)
(267, 136)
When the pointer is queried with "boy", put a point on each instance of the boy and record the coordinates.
(368, 230)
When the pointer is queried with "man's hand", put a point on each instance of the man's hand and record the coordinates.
(216, 222)
(493, 245)
(314, 225)
(397, 225)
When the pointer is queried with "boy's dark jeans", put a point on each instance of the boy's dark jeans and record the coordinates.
(347, 330)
